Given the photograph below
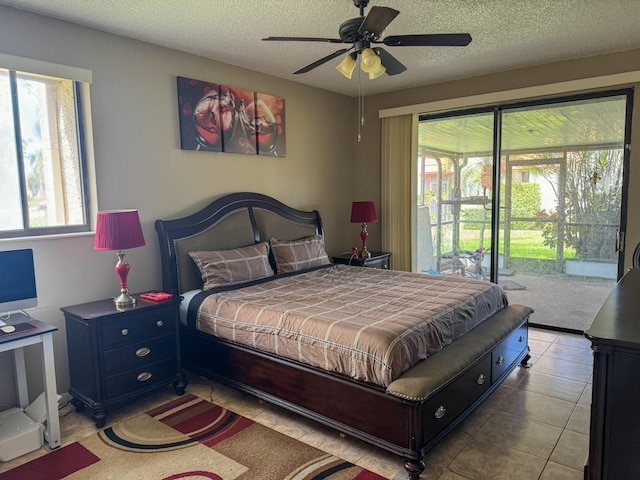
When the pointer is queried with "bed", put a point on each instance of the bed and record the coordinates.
(404, 405)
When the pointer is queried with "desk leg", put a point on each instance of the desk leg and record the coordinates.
(52, 430)
(21, 377)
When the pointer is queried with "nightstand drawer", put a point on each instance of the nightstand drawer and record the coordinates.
(133, 329)
(145, 377)
(140, 353)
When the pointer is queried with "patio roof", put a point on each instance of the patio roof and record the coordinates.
(589, 123)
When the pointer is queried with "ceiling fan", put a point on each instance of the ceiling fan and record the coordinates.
(363, 32)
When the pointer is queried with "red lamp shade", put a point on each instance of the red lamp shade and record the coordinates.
(118, 230)
(363, 212)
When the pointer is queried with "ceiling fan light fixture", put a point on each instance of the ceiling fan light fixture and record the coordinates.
(373, 65)
(347, 65)
(377, 72)
(368, 57)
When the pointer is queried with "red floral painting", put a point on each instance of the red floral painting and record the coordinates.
(220, 118)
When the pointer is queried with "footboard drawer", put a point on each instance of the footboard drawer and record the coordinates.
(444, 407)
(508, 351)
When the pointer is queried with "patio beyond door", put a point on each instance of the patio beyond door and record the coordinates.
(545, 221)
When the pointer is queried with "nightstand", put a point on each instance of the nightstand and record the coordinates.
(118, 355)
(377, 260)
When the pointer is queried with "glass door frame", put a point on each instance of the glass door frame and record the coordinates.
(497, 111)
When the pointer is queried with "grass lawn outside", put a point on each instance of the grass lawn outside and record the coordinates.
(524, 244)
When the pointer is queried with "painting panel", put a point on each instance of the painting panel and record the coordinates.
(269, 112)
(238, 135)
(199, 114)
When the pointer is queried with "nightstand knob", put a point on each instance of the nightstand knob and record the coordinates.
(143, 352)
(481, 379)
(500, 360)
(521, 339)
(440, 411)
(159, 323)
(124, 331)
(144, 376)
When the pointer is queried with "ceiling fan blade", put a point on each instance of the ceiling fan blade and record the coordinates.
(428, 40)
(376, 21)
(302, 39)
(317, 63)
(391, 63)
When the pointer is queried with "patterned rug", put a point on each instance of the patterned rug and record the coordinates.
(192, 439)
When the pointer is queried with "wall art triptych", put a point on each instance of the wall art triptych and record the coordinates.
(219, 118)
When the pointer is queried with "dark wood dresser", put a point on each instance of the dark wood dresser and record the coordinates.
(117, 355)
(614, 442)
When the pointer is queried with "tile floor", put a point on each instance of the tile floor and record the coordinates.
(534, 426)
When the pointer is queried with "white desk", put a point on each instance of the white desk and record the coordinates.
(41, 333)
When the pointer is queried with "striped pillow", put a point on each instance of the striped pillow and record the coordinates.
(228, 267)
(291, 256)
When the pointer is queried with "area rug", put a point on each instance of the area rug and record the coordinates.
(192, 439)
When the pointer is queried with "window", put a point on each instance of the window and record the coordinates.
(42, 168)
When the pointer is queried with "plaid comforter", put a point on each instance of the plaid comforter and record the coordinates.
(371, 325)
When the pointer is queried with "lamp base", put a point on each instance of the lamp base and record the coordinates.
(365, 253)
(124, 300)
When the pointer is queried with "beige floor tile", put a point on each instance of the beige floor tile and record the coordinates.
(520, 433)
(580, 419)
(585, 397)
(574, 340)
(560, 367)
(544, 335)
(538, 347)
(552, 386)
(555, 471)
(571, 450)
(535, 406)
(448, 475)
(447, 449)
(484, 460)
(569, 352)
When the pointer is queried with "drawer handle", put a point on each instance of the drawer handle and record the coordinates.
(480, 380)
(440, 412)
(159, 323)
(144, 376)
(500, 360)
(124, 331)
(521, 339)
(143, 352)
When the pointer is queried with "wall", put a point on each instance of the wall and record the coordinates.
(139, 163)
(367, 155)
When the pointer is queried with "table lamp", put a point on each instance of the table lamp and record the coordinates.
(364, 212)
(119, 230)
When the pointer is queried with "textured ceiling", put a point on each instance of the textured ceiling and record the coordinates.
(507, 34)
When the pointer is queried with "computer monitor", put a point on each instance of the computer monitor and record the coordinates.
(17, 280)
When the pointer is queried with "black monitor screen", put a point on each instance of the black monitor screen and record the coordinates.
(17, 280)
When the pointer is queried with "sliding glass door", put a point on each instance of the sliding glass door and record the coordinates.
(544, 221)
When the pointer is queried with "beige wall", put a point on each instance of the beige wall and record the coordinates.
(139, 163)
(367, 154)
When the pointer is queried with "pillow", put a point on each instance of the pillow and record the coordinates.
(294, 255)
(228, 267)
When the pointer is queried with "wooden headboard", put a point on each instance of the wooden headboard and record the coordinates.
(232, 221)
